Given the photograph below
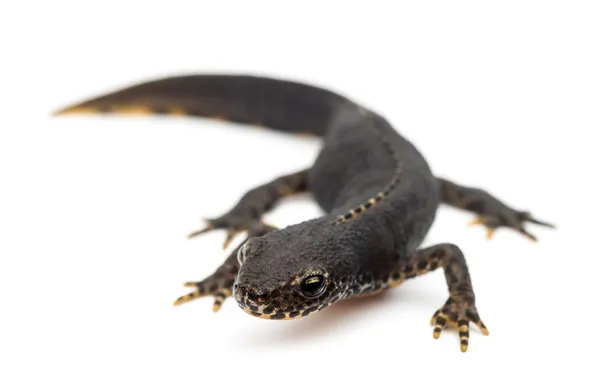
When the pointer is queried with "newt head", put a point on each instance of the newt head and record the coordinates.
(287, 274)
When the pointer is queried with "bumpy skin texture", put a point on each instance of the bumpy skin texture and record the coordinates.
(377, 192)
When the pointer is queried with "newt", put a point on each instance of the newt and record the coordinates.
(377, 192)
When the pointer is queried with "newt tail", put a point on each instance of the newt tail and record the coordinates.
(276, 104)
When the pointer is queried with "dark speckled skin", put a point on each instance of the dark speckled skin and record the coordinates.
(377, 191)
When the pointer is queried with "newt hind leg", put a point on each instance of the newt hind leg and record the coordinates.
(247, 213)
(491, 212)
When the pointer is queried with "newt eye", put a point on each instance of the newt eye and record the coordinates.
(241, 255)
(313, 286)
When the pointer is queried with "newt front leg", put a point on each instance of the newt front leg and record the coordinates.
(247, 213)
(244, 216)
(459, 310)
(220, 284)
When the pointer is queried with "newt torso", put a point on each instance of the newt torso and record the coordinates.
(380, 199)
(367, 169)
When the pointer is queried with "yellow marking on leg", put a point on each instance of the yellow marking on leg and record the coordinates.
(437, 329)
(476, 221)
(285, 190)
(483, 329)
(201, 231)
(439, 321)
(218, 303)
(529, 236)
(187, 298)
(481, 221)
(230, 236)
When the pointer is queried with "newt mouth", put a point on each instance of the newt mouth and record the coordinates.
(265, 311)
(274, 306)
(274, 316)
(281, 315)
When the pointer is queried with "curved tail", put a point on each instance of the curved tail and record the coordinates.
(277, 104)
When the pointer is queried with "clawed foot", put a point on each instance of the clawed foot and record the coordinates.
(219, 286)
(457, 313)
(234, 225)
(513, 219)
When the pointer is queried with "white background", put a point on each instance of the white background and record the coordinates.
(94, 211)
